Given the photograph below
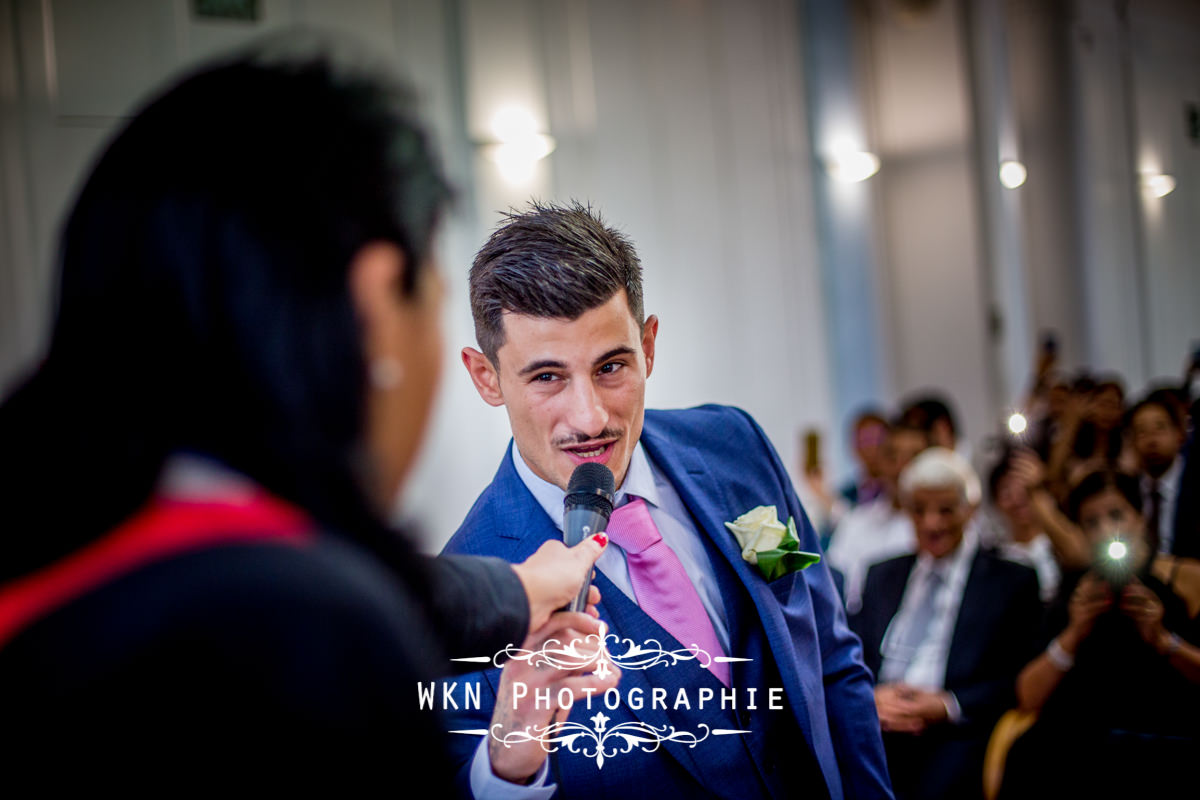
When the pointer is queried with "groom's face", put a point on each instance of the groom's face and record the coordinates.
(574, 389)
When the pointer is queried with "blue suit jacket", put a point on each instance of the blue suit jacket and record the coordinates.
(826, 738)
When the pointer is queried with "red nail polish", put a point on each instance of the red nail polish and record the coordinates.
(600, 539)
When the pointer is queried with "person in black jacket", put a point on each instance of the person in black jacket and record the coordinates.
(195, 571)
(1117, 687)
(945, 632)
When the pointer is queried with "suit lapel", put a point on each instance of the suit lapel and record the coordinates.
(710, 504)
(897, 581)
(518, 516)
(970, 611)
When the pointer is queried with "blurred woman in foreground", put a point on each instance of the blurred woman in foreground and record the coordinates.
(195, 571)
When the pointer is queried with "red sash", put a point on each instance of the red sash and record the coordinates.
(164, 528)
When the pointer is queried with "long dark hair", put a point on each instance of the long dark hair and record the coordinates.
(204, 303)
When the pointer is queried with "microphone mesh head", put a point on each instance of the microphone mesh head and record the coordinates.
(591, 478)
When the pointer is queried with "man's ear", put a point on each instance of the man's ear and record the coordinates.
(484, 375)
(649, 333)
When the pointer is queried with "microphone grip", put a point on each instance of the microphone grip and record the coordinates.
(580, 601)
(578, 524)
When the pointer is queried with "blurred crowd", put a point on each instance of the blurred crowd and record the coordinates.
(1033, 624)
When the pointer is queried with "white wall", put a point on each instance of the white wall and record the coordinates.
(685, 124)
(681, 122)
(1134, 74)
(929, 213)
(1166, 80)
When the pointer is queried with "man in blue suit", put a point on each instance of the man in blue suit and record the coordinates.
(786, 708)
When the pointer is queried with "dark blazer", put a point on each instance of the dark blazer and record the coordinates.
(994, 637)
(278, 664)
(824, 742)
(1187, 504)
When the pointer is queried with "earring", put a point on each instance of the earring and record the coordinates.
(386, 373)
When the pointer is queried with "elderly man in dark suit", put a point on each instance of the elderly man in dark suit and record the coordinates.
(946, 631)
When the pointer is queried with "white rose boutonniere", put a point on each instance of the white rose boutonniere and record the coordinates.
(769, 544)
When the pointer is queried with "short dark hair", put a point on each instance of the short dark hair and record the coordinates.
(1168, 399)
(925, 410)
(555, 261)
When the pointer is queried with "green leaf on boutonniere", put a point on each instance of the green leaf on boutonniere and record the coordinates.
(786, 558)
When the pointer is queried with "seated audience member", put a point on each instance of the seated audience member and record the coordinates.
(1117, 688)
(931, 413)
(870, 433)
(1157, 432)
(879, 529)
(1187, 508)
(1069, 545)
(1022, 538)
(1046, 411)
(946, 631)
(827, 508)
(1092, 436)
(1047, 395)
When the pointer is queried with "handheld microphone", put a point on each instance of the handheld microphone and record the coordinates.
(587, 507)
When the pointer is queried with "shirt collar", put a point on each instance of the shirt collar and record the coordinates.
(953, 563)
(1169, 479)
(639, 481)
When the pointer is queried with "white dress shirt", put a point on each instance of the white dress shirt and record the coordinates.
(868, 534)
(1038, 553)
(670, 516)
(673, 521)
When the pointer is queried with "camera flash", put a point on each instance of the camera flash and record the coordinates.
(1017, 423)
(1117, 550)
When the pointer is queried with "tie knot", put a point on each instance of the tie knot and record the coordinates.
(631, 528)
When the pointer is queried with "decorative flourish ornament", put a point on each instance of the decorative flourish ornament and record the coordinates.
(600, 742)
(649, 653)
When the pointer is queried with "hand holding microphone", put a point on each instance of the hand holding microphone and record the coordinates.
(586, 509)
(558, 575)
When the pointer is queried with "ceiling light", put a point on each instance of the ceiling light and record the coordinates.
(852, 166)
(1012, 174)
(1157, 184)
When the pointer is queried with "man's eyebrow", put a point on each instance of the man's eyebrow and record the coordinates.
(549, 363)
(623, 350)
(537, 366)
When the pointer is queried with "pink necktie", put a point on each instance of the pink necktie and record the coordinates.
(660, 584)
